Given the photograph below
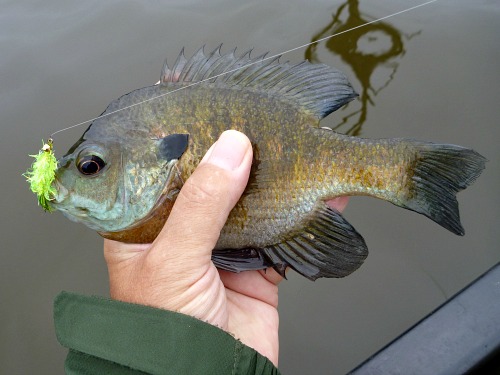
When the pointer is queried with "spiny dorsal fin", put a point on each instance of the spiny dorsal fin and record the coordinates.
(316, 88)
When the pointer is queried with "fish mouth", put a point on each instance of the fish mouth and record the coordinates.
(60, 195)
(76, 211)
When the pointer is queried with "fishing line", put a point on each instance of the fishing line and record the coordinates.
(249, 64)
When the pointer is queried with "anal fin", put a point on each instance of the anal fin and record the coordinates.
(237, 260)
(326, 245)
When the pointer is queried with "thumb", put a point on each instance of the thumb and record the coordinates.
(204, 203)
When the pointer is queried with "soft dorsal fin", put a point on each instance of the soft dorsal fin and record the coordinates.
(317, 88)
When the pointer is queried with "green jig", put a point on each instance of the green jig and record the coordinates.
(42, 173)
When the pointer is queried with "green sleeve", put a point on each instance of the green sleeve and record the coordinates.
(111, 337)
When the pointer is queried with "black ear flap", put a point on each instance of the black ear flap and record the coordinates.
(173, 146)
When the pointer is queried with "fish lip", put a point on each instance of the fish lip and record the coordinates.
(61, 193)
(80, 212)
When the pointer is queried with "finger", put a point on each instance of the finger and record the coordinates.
(338, 203)
(204, 203)
(261, 285)
(272, 276)
(117, 252)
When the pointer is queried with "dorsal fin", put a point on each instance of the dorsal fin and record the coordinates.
(317, 88)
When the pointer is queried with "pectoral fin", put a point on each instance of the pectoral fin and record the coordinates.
(325, 246)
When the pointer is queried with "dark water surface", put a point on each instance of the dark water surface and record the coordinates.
(430, 74)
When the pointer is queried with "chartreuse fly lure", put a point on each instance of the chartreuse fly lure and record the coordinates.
(42, 173)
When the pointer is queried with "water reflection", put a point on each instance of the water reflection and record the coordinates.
(372, 48)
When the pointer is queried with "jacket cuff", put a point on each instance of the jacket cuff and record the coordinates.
(151, 340)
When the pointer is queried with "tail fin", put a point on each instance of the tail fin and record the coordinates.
(440, 171)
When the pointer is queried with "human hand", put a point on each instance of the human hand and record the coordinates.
(176, 273)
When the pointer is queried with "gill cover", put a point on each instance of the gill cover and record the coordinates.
(173, 146)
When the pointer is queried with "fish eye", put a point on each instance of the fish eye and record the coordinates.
(90, 165)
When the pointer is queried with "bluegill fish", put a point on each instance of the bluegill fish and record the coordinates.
(123, 175)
